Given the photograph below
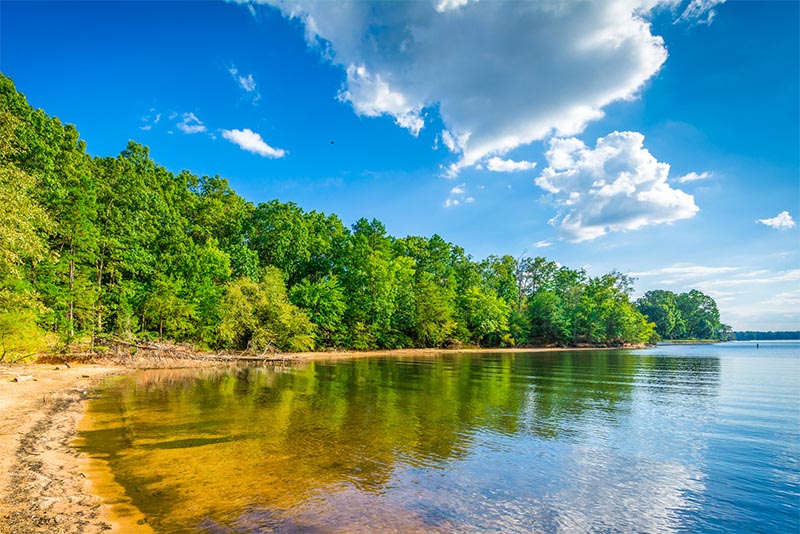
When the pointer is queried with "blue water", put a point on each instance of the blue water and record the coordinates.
(675, 438)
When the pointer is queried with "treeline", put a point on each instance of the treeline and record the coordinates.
(750, 335)
(692, 315)
(119, 246)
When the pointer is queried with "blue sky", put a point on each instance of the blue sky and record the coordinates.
(648, 136)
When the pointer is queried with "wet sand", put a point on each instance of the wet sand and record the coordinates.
(43, 485)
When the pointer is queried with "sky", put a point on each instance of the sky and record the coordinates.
(660, 138)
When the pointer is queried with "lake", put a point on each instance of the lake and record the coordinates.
(701, 438)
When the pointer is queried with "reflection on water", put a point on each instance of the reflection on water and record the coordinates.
(570, 441)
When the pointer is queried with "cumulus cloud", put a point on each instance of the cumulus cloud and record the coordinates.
(191, 124)
(250, 141)
(501, 74)
(616, 186)
(496, 164)
(372, 96)
(782, 221)
(458, 196)
(693, 177)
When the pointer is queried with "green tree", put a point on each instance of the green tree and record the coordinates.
(700, 315)
(547, 319)
(325, 303)
(486, 316)
(660, 307)
(259, 316)
(374, 280)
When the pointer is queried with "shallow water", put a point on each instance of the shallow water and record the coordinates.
(670, 439)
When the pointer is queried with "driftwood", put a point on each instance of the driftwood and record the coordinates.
(163, 353)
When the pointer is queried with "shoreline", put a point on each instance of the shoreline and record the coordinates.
(347, 354)
(44, 486)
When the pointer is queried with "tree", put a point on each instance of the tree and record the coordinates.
(547, 319)
(660, 307)
(433, 313)
(259, 316)
(325, 303)
(486, 316)
(300, 244)
(700, 315)
(375, 280)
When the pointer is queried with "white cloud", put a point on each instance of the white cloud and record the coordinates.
(693, 177)
(250, 141)
(458, 196)
(616, 186)
(191, 124)
(496, 164)
(792, 275)
(449, 141)
(782, 221)
(247, 83)
(501, 74)
(150, 120)
(447, 5)
(372, 96)
(700, 11)
(786, 298)
(541, 244)
(687, 272)
(458, 190)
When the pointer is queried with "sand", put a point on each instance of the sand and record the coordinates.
(43, 487)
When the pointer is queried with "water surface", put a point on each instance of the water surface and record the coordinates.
(671, 439)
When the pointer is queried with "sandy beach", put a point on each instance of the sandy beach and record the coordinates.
(43, 487)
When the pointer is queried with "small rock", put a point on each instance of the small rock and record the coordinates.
(22, 378)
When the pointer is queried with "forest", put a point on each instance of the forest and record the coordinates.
(750, 335)
(93, 248)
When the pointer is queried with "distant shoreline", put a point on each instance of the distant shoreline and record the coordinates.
(691, 342)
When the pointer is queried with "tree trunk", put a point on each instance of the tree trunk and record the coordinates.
(71, 291)
(99, 301)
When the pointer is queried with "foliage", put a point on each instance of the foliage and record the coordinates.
(691, 315)
(258, 316)
(751, 335)
(20, 338)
